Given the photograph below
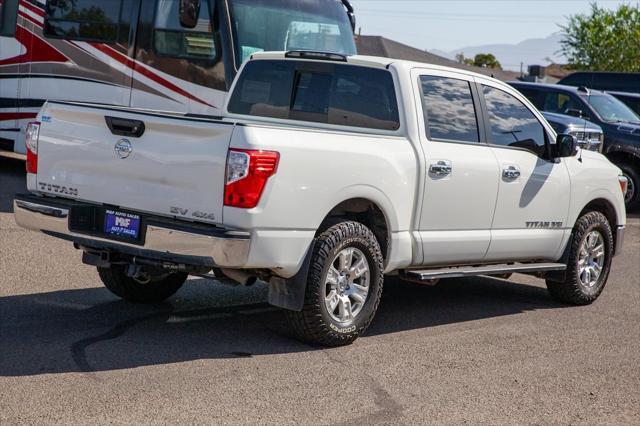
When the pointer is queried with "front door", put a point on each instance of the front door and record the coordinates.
(533, 201)
(461, 183)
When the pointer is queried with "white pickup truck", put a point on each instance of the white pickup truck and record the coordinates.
(324, 174)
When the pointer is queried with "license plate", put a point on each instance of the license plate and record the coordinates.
(123, 225)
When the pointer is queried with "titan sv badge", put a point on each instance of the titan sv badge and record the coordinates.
(58, 189)
(178, 211)
(545, 225)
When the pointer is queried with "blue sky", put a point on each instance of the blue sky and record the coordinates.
(451, 24)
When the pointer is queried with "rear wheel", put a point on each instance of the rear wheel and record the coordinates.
(344, 286)
(145, 288)
(632, 173)
(589, 261)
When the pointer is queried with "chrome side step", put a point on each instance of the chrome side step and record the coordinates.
(468, 271)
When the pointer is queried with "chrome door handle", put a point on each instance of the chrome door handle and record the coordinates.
(511, 172)
(441, 168)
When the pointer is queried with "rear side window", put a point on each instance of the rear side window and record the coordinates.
(172, 39)
(338, 94)
(90, 20)
(449, 110)
(512, 123)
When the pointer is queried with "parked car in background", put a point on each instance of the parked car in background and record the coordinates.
(632, 100)
(167, 55)
(620, 124)
(599, 80)
(589, 135)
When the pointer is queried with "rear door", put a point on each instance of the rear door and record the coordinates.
(164, 165)
(533, 200)
(178, 68)
(461, 184)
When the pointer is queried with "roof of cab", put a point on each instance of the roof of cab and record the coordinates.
(371, 61)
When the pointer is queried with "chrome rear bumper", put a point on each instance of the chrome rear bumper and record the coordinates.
(165, 240)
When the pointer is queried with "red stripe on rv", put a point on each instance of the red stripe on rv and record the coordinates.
(5, 116)
(142, 70)
(32, 8)
(38, 50)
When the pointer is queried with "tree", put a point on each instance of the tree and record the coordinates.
(484, 60)
(604, 40)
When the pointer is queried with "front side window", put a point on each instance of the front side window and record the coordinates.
(512, 123)
(344, 95)
(559, 103)
(90, 20)
(449, 110)
(174, 40)
(285, 25)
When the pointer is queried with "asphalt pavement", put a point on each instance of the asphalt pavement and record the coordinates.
(474, 350)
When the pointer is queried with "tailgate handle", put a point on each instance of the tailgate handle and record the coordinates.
(125, 127)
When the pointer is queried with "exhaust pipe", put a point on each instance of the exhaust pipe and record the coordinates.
(240, 277)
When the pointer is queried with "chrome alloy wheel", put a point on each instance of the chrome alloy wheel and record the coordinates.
(347, 285)
(591, 259)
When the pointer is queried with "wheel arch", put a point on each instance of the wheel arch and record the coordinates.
(366, 211)
(608, 209)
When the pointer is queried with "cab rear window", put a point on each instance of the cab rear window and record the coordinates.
(330, 93)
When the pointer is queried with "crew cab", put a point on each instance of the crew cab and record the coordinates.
(325, 174)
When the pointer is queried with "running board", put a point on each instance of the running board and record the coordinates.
(468, 271)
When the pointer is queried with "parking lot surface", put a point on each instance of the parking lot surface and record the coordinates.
(475, 350)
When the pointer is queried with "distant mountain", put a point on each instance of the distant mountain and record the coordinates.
(533, 51)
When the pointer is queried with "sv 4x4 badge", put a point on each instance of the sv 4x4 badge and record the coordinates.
(178, 211)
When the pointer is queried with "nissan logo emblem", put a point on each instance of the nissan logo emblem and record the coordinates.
(123, 148)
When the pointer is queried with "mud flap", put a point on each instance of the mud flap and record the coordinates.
(561, 276)
(289, 293)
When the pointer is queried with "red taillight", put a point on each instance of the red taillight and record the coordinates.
(247, 174)
(31, 142)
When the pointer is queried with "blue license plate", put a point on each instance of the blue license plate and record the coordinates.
(123, 225)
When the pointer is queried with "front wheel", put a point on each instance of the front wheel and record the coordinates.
(149, 288)
(589, 261)
(344, 286)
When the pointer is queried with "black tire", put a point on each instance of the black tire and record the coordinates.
(158, 289)
(573, 290)
(315, 324)
(633, 174)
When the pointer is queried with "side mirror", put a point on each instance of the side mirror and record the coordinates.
(566, 146)
(189, 13)
(575, 113)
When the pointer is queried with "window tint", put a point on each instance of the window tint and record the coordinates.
(8, 17)
(449, 110)
(96, 20)
(560, 103)
(337, 94)
(533, 96)
(172, 39)
(512, 123)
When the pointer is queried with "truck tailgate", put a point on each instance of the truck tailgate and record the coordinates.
(176, 167)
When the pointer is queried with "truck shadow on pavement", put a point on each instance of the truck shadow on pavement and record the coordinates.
(88, 330)
(12, 181)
